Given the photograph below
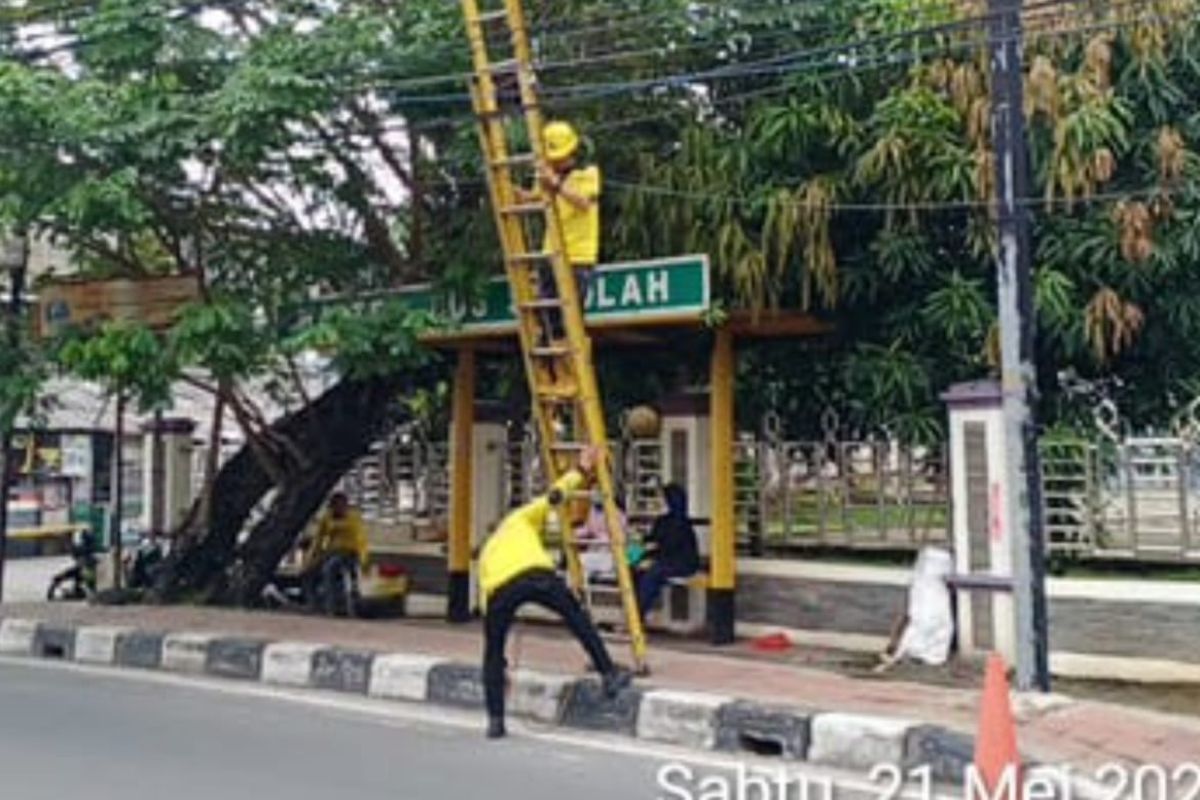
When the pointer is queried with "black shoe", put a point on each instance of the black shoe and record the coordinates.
(616, 681)
(496, 728)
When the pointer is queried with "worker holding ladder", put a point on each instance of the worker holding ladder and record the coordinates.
(576, 192)
(515, 569)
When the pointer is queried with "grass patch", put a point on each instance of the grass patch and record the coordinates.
(811, 522)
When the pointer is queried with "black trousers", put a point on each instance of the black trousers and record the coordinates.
(552, 324)
(549, 591)
(323, 579)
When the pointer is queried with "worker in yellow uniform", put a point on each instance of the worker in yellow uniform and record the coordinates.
(575, 191)
(333, 559)
(515, 569)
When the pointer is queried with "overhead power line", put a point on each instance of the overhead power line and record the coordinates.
(880, 207)
(834, 65)
(605, 58)
(808, 63)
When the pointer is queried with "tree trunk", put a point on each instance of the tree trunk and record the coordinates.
(348, 433)
(210, 565)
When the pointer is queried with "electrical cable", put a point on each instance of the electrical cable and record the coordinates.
(890, 60)
(831, 67)
(745, 69)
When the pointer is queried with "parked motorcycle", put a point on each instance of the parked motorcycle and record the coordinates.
(78, 581)
(142, 564)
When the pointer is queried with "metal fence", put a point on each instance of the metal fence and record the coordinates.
(1137, 498)
(836, 493)
(403, 486)
(788, 494)
(1116, 494)
(1114, 497)
(638, 469)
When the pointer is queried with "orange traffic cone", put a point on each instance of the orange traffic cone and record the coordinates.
(996, 745)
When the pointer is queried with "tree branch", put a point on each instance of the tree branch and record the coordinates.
(255, 441)
(374, 128)
(378, 235)
(294, 370)
(416, 237)
(270, 201)
(201, 385)
(131, 266)
(285, 448)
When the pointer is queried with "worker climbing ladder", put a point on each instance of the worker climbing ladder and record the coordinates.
(554, 341)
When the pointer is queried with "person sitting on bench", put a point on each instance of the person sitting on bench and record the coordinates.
(338, 550)
(594, 541)
(671, 549)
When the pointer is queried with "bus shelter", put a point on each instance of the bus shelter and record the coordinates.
(638, 304)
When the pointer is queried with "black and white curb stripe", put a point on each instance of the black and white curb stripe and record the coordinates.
(687, 719)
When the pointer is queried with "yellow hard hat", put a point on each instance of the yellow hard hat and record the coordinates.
(561, 141)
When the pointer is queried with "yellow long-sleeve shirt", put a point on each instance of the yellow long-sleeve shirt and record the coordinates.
(345, 535)
(516, 546)
(580, 226)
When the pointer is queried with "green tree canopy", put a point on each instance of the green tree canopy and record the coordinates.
(830, 157)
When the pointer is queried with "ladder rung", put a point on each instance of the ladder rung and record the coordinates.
(568, 447)
(528, 258)
(506, 111)
(486, 17)
(518, 160)
(543, 304)
(524, 208)
(553, 351)
(559, 396)
(508, 65)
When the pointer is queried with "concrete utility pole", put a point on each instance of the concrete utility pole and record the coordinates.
(16, 261)
(118, 489)
(158, 477)
(1017, 331)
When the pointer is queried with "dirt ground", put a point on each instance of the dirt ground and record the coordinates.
(967, 674)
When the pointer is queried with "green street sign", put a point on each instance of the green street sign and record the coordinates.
(628, 293)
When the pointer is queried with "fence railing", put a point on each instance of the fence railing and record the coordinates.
(856, 494)
(1137, 498)
(788, 495)
(403, 485)
(1134, 499)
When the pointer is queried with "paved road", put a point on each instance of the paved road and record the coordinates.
(71, 733)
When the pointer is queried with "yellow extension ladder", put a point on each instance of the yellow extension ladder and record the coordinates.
(554, 341)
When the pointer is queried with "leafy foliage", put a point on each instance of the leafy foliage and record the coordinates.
(252, 146)
(897, 246)
(288, 150)
(125, 358)
(368, 345)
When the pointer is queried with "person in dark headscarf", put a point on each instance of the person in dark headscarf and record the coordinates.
(671, 549)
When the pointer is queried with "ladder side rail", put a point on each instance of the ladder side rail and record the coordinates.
(576, 365)
(511, 230)
(557, 461)
(579, 343)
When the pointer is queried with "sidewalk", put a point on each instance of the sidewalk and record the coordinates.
(1053, 730)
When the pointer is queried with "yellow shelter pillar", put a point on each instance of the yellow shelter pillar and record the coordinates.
(458, 553)
(723, 535)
